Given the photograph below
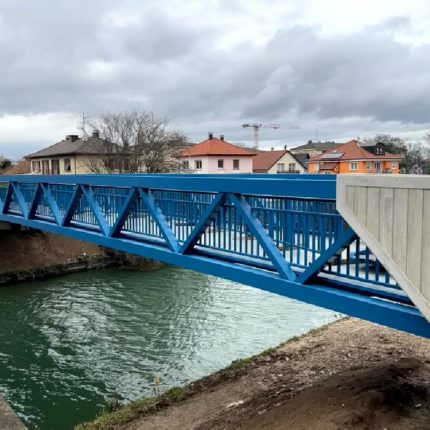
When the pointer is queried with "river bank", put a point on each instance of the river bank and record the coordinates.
(29, 255)
(348, 375)
(72, 344)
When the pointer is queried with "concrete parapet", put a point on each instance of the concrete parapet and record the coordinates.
(391, 213)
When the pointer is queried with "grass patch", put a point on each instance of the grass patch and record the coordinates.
(241, 363)
(110, 420)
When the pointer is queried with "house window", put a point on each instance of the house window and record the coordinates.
(35, 166)
(67, 165)
(368, 165)
(186, 165)
(292, 167)
(353, 165)
(235, 164)
(198, 164)
(393, 165)
(220, 164)
(281, 167)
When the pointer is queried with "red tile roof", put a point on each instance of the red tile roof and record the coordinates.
(264, 160)
(215, 147)
(353, 151)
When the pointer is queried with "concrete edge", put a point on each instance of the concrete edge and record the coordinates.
(395, 271)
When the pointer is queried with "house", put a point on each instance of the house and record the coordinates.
(355, 157)
(313, 149)
(277, 161)
(216, 156)
(73, 155)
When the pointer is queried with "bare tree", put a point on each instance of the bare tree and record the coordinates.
(393, 144)
(136, 142)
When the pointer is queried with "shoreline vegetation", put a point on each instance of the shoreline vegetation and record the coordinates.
(349, 374)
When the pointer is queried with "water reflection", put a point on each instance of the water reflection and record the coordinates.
(70, 343)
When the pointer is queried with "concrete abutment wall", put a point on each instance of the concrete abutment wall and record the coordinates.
(391, 213)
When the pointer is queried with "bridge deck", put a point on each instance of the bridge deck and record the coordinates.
(280, 233)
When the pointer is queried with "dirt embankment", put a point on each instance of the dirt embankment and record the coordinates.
(30, 249)
(351, 375)
(26, 255)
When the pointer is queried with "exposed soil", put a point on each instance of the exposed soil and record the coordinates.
(30, 249)
(27, 255)
(351, 375)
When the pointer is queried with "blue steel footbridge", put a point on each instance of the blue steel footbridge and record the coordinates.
(280, 233)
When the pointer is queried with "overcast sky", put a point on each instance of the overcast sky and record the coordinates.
(337, 69)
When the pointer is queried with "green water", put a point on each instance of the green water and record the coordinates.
(70, 344)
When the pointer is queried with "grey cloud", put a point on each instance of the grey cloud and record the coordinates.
(63, 56)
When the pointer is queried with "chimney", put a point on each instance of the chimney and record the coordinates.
(211, 135)
(286, 147)
(221, 137)
(272, 148)
(72, 137)
(96, 133)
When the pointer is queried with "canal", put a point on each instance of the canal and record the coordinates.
(71, 344)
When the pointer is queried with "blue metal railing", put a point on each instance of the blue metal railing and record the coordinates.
(281, 228)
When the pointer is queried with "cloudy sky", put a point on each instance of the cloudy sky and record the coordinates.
(337, 69)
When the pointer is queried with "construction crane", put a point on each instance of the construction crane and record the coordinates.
(257, 127)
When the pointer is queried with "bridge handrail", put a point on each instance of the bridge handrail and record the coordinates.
(287, 186)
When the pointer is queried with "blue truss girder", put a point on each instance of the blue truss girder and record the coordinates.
(347, 237)
(51, 203)
(73, 204)
(254, 225)
(203, 222)
(159, 218)
(20, 198)
(300, 232)
(36, 200)
(92, 202)
(133, 194)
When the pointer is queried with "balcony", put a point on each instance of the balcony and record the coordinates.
(289, 172)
